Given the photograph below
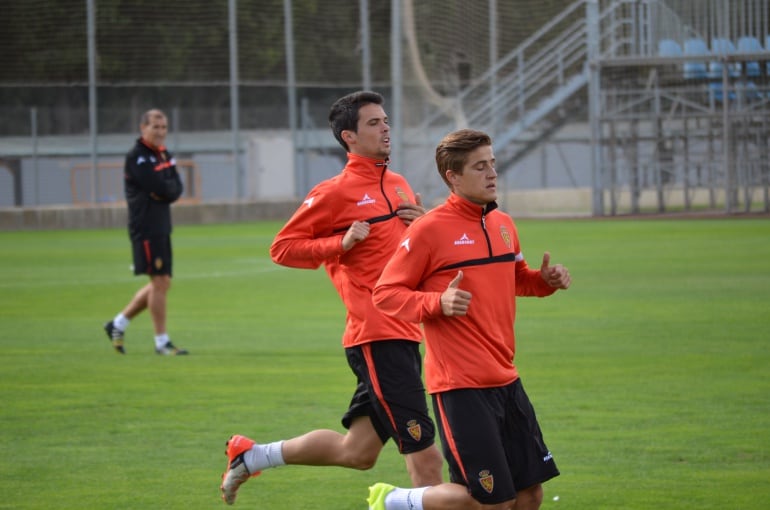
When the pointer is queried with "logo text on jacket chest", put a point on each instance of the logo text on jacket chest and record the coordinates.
(464, 240)
(366, 200)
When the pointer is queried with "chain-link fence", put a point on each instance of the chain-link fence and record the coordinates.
(247, 86)
(234, 77)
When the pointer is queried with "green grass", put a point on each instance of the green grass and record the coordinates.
(650, 375)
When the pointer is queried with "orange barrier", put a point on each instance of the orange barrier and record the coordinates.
(110, 183)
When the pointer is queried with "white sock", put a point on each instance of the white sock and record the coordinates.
(405, 499)
(263, 456)
(121, 321)
(161, 340)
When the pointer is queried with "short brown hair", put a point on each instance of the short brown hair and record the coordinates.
(452, 151)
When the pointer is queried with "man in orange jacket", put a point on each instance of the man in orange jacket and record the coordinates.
(351, 224)
(458, 270)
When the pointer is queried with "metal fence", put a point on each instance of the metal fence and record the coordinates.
(226, 72)
(247, 86)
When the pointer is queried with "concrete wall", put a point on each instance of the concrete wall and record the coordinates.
(50, 218)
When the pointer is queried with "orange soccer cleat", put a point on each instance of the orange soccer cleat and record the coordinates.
(237, 473)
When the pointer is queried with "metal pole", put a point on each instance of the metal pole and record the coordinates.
(305, 126)
(728, 166)
(33, 124)
(292, 84)
(92, 119)
(366, 51)
(234, 99)
(396, 78)
(594, 104)
(731, 192)
(175, 129)
(493, 63)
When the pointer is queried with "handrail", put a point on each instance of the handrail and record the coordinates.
(482, 82)
(522, 89)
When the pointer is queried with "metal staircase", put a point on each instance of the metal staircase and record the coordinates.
(542, 84)
(519, 94)
(599, 62)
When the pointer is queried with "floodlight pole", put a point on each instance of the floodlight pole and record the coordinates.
(235, 98)
(493, 56)
(292, 91)
(396, 119)
(92, 119)
(594, 104)
(366, 53)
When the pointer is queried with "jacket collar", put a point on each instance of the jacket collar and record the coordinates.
(151, 146)
(468, 209)
(367, 167)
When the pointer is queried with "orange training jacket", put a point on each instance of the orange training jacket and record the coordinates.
(476, 350)
(365, 190)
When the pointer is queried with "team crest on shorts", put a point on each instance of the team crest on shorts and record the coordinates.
(487, 481)
(505, 235)
(414, 429)
(158, 263)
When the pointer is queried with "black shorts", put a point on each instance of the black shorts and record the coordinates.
(152, 256)
(391, 393)
(492, 441)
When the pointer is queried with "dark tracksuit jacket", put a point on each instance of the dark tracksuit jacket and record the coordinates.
(152, 184)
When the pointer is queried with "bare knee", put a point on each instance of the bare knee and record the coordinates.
(359, 452)
(475, 505)
(160, 283)
(454, 496)
(529, 498)
(361, 460)
(425, 467)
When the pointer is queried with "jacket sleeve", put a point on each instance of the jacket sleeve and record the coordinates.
(396, 292)
(173, 187)
(307, 240)
(529, 282)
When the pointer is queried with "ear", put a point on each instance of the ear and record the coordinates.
(348, 136)
(451, 176)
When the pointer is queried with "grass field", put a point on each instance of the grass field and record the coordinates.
(650, 375)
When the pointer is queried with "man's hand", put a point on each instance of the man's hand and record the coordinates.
(410, 212)
(455, 301)
(357, 232)
(555, 276)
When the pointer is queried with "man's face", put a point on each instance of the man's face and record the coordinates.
(373, 137)
(478, 180)
(155, 131)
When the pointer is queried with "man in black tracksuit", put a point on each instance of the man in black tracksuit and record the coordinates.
(152, 184)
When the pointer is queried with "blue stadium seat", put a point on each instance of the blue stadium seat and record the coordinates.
(716, 91)
(767, 47)
(749, 91)
(695, 69)
(721, 46)
(669, 48)
(748, 44)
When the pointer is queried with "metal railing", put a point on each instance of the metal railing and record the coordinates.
(525, 95)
